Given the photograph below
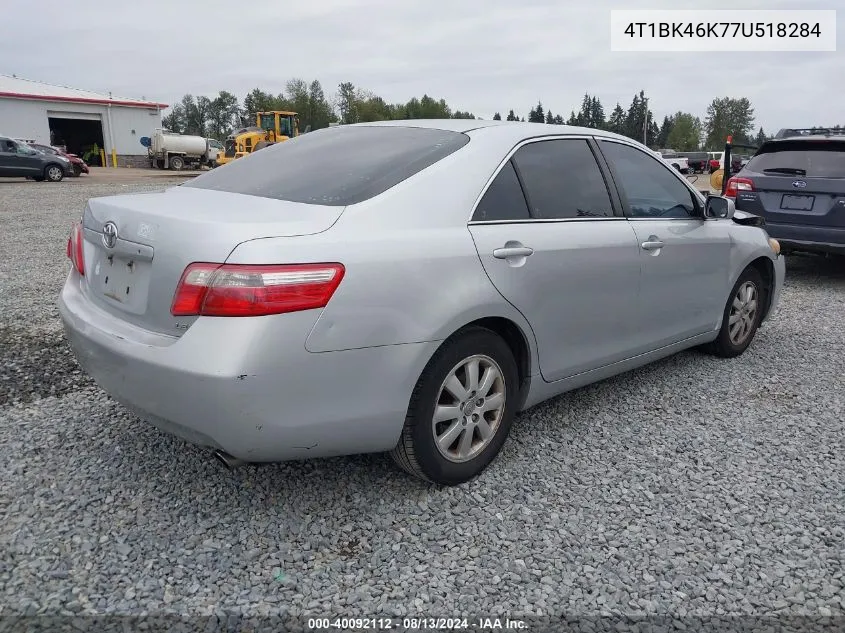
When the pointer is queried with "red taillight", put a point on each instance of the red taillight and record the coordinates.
(254, 290)
(736, 184)
(74, 249)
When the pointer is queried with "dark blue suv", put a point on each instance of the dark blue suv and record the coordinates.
(796, 182)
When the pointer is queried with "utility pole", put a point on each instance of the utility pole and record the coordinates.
(645, 123)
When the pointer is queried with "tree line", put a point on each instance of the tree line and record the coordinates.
(217, 117)
(681, 131)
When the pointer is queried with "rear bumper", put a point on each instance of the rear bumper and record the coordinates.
(248, 385)
(808, 238)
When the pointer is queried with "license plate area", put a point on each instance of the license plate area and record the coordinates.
(797, 203)
(122, 281)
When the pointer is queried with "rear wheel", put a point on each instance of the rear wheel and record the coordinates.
(177, 163)
(742, 315)
(461, 409)
(54, 173)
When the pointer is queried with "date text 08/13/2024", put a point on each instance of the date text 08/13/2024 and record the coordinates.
(416, 624)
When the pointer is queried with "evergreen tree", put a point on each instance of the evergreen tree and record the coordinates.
(617, 122)
(550, 119)
(597, 114)
(665, 131)
(537, 115)
(512, 116)
(497, 117)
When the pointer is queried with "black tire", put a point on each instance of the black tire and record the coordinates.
(724, 346)
(177, 163)
(36, 178)
(417, 452)
(160, 163)
(54, 173)
(77, 171)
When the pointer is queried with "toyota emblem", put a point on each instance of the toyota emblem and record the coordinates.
(110, 234)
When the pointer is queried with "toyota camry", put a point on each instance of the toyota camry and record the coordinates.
(405, 287)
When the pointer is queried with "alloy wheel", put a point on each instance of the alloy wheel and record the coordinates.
(469, 409)
(743, 313)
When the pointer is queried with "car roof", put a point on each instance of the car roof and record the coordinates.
(808, 137)
(511, 130)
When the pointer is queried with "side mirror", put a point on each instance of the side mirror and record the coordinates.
(719, 207)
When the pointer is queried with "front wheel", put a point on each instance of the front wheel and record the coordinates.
(54, 173)
(742, 315)
(461, 409)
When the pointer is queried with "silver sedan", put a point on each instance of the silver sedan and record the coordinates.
(405, 287)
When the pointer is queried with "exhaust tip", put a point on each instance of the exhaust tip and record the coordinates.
(227, 460)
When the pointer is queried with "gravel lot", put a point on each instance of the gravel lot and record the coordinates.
(693, 486)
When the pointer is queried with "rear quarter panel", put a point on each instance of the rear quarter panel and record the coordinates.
(412, 272)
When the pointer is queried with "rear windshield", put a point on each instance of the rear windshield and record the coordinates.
(816, 160)
(335, 166)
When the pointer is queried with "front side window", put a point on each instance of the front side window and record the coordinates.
(652, 189)
(562, 180)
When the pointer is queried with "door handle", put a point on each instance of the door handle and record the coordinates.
(652, 245)
(512, 251)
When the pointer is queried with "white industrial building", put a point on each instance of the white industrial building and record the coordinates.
(78, 119)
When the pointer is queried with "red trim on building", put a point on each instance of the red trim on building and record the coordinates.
(130, 104)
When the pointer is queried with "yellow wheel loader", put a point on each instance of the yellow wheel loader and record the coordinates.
(270, 128)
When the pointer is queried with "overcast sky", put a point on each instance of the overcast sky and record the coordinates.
(480, 55)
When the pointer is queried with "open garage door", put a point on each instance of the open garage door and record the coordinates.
(80, 133)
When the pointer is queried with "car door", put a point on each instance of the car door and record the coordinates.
(8, 158)
(685, 258)
(556, 246)
(22, 160)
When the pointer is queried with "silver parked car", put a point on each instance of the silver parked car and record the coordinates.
(406, 287)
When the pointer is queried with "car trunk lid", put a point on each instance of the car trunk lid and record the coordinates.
(797, 182)
(800, 200)
(138, 245)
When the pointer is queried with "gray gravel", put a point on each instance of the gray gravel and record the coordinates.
(691, 487)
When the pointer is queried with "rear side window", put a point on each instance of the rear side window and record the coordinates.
(335, 166)
(562, 180)
(814, 160)
(503, 199)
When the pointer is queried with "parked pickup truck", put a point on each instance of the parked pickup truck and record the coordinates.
(679, 162)
(698, 161)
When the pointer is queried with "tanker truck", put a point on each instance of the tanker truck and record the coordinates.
(169, 150)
